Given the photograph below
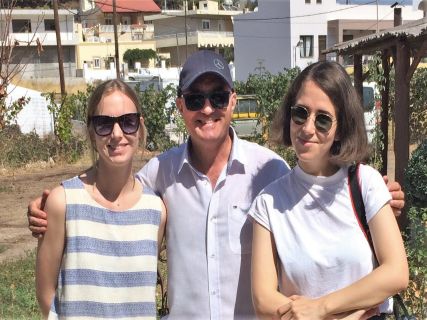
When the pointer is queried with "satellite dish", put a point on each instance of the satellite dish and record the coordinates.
(228, 2)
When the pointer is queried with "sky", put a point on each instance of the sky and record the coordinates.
(404, 2)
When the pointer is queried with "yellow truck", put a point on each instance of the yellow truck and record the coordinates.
(245, 116)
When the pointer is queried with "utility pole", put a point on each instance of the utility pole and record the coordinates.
(185, 22)
(177, 49)
(59, 48)
(377, 17)
(116, 41)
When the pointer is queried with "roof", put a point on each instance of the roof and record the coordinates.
(412, 29)
(149, 6)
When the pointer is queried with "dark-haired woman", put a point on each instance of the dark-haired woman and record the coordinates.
(307, 241)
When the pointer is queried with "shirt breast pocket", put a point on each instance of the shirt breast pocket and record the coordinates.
(239, 228)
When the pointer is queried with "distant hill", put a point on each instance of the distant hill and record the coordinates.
(40, 4)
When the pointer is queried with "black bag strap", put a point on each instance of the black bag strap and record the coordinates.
(357, 201)
(360, 213)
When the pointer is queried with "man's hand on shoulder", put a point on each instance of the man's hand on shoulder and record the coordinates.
(398, 196)
(37, 218)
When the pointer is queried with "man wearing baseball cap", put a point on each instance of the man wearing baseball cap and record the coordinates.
(207, 185)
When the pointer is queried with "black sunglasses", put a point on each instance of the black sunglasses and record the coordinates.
(196, 101)
(322, 122)
(103, 125)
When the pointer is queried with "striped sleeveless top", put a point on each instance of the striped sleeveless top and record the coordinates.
(109, 264)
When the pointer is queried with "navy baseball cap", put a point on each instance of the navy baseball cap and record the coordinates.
(200, 63)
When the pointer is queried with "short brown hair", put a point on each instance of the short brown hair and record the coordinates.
(334, 81)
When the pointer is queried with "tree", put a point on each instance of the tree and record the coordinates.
(12, 63)
(138, 55)
(157, 113)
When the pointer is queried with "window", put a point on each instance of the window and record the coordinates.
(49, 25)
(319, 1)
(126, 20)
(307, 1)
(206, 24)
(97, 63)
(306, 49)
(21, 25)
(108, 19)
(220, 26)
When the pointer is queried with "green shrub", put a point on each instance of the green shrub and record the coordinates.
(18, 149)
(416, 237)
(157, 115)
(416, 177)
(418, 106)
(269, 90)
(138, 55)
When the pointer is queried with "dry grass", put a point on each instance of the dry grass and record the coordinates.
(52, 85)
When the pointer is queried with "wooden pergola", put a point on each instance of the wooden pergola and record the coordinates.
(406, 44)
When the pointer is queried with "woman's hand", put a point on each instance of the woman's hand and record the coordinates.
(302, 308)
(305, 308)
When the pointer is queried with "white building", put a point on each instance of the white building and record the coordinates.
(284, 34)
(32, 35)
(179, 33)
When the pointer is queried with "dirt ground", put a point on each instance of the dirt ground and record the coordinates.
(20, 186)
(17, 188)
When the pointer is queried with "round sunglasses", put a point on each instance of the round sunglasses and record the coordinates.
(103, 125)
(322, 121)
(196, 101)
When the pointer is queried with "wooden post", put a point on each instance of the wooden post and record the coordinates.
(59, 48)
(385, 95)
(401, 109)
(116, 41)
(358, 75)
(401, 142)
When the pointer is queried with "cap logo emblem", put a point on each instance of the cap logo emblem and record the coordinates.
(218, 64)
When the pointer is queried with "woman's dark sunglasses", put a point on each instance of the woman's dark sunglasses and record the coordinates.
(103, 125)
(196, 101)
(322, 122)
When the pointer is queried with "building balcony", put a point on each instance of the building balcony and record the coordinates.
(105, 33)
(199, 38)
(45, 38)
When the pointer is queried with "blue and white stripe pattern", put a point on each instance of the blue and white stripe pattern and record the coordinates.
(109, 265)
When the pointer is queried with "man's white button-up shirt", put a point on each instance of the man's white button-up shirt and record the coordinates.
(208, 233)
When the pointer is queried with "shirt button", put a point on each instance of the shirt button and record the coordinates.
(213, 293)
(213, 255)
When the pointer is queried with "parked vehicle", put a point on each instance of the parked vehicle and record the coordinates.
(245, 116)
(371, 106)
(144, 81)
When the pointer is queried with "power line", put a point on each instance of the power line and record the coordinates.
(305, 15)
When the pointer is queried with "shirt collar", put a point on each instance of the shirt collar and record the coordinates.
(237, 154)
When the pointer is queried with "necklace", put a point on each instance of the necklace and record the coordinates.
(115, 199)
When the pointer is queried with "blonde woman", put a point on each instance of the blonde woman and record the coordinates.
(99, 257)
